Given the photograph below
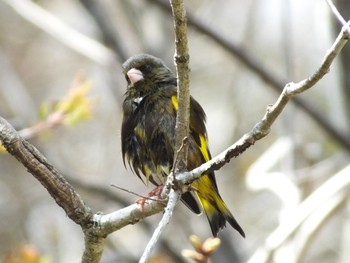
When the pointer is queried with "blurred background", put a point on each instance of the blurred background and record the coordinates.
(61, 86)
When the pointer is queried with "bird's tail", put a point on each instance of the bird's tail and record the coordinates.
(215, 209)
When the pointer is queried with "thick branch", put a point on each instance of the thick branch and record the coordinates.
(94, 245)
(106, 224)
(96, 227)
(60, 190)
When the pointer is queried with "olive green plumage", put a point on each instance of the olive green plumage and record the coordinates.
(148, 136)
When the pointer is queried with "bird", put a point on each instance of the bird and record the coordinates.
(148, 136)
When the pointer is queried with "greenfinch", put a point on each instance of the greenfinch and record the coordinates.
(148, 136)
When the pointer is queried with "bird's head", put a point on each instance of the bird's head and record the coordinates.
(144, 72)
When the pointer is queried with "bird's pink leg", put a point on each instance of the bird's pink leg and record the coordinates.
(156, 192)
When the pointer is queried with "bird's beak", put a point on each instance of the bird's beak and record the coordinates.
(134, 75)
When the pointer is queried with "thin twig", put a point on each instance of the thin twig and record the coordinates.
(344, 59)
(336, 12)
(168, 212)
(133, 193)
(53, 120)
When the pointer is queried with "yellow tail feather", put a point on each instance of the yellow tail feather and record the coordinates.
(214, 207)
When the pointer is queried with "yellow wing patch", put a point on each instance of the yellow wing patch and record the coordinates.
(140, 133)
(175, 102)
(147, 172)
(204, 147)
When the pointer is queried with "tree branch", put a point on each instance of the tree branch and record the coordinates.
(174, 196)
(254, 65)
(182, 121)
(262, 128)
(98, 226)
(94, 245)
(336, 12)
(95, 227)
(106, 224)
(183, 83)
(60, 190)
(113, 196)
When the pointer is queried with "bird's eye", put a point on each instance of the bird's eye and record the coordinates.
(145, 69)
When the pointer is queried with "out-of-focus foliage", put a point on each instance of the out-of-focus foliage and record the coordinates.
(72, 109)
(26, 254)
(263, 188)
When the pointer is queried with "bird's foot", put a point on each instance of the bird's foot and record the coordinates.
(156, 192)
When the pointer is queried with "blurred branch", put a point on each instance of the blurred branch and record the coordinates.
(58, 29)
(109, 32)
(337, 184)
(344, 251)
(254, 65)
(315, 222)
(343, 5)
(53, 120)
(261, 176)
(98, 189)
(18, 93)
